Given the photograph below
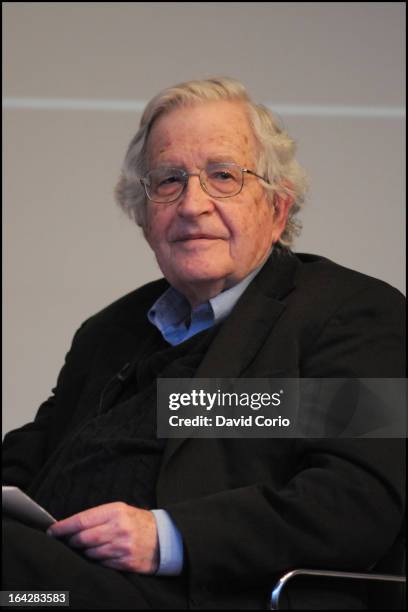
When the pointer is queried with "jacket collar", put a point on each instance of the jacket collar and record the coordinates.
(250, 322)
(247, 327)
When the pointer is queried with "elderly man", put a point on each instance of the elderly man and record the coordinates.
(209, 523)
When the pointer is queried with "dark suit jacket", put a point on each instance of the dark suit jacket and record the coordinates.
(250, 509)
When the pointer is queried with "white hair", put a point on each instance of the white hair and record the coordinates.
(276, 150)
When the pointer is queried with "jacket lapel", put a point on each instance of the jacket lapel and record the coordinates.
(247, 327)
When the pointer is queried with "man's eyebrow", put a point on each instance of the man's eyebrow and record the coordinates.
(213, 159)
(168, 165)
(216, 159)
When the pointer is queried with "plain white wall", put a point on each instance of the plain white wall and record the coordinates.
(334, 71)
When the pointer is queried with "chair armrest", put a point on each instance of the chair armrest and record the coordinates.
(283, 581)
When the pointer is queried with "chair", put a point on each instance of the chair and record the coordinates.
(384, 598)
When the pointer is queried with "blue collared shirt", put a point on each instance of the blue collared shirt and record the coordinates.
(177, 322)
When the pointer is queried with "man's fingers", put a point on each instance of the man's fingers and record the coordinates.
(115, 564)
(96, 536)
(86, 519)
(103, 552)
(116, 535)
(76, 523)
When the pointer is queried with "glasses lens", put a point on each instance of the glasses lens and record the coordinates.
(222, 180)
(164, 184)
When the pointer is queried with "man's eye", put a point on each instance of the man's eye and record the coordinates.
(221, 175)
(168, 180)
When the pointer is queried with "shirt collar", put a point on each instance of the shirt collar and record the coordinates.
(224, 302)
(172, 315)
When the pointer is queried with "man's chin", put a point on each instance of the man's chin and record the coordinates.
(196, 275)
(201, 277)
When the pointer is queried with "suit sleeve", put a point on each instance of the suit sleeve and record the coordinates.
(26, 448)
(342, 506)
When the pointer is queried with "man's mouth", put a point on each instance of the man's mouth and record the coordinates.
(197, 237)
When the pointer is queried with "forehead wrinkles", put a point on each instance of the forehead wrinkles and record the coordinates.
(214, 144)
(184, 134)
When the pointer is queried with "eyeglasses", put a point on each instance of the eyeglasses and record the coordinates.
(220, 180)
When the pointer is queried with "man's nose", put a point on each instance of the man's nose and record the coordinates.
(194, 201)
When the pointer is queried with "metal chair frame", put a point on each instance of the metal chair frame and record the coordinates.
(283, 581)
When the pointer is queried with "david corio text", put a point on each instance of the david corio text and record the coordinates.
(222, 421)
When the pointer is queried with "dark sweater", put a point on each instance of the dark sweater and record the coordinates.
(115, 455)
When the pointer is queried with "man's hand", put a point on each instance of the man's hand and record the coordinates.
(120, 536)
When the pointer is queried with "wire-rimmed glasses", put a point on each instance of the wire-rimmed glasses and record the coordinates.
(218, 180)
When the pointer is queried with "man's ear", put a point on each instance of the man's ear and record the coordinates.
(282, 203)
